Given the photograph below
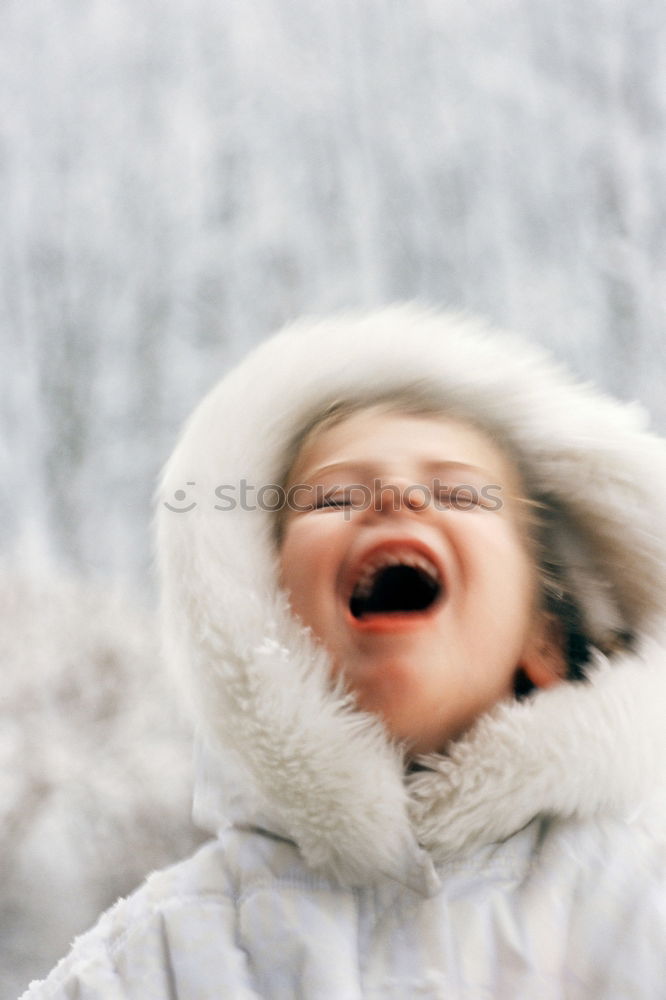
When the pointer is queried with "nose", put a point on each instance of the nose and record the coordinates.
(400, 495)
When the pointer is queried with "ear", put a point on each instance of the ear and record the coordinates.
(544, 661)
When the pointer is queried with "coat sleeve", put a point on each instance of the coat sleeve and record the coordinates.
(182, 949)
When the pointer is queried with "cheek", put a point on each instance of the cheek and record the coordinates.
(307, 569)
(495, 562)
(294, 569)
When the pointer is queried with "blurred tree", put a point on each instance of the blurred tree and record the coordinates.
(176, 183)
(94, 764)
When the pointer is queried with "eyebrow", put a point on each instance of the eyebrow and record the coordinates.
(363, 468)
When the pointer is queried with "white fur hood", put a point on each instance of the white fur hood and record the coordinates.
(281, 750)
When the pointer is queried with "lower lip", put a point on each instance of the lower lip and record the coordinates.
(394, 621)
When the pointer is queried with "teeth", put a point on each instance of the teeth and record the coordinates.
(395, 557)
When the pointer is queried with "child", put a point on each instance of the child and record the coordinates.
(414, 578)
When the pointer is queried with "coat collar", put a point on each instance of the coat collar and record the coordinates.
(336, 787)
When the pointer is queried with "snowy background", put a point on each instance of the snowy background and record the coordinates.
(177, 181)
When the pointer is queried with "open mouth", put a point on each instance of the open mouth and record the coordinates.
(395, 583)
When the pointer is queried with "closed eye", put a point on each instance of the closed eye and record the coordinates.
(462, 498)
(333, 501)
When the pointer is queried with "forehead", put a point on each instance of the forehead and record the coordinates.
(384, 441)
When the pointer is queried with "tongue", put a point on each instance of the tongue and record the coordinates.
(402, 589)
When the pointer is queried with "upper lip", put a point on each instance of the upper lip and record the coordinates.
(371, 557)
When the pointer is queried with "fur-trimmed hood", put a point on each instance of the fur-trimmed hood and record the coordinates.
(278, 747)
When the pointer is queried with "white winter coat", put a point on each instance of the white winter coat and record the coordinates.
(526, 863)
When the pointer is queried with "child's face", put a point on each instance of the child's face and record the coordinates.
(431, 647)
